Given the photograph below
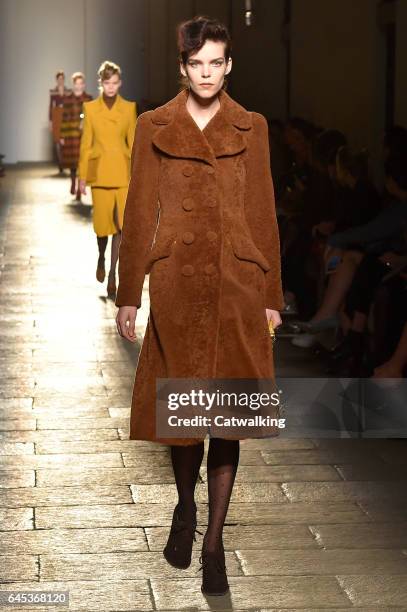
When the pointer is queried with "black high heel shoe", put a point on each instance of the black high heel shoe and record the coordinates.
(178, 550)
(214, 577)
(340, 351)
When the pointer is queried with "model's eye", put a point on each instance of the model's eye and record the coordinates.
(218, 63)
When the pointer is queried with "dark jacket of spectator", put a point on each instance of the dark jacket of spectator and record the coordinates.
(383, 233)
(356, 206)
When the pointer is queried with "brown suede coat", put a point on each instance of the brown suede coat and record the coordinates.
(200, 220)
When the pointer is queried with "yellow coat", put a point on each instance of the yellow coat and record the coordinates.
(106, 142)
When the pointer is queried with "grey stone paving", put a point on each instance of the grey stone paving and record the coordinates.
(313, 524)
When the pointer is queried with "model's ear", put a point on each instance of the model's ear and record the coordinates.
(182, 69)
(229, 66)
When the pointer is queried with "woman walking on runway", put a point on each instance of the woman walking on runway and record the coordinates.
(104, 163)
(56, 102)
(200, 218)
(71, 127)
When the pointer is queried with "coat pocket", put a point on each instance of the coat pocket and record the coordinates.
(246, 250)
(93, 166)
(161, 249)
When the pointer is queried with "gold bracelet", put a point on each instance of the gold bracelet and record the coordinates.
(271, 330)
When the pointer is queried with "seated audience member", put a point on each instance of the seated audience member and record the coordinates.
(395, 142)
(298, 135)
(300, 248)
(389, 313)
(380, 233)
(383, 236)
(369, 276)
(325, 148)
(396, 365)
(358, 201)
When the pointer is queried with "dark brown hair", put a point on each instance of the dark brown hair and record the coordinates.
(355, 161)
(193, 34)
(326, 146)
(60, 73)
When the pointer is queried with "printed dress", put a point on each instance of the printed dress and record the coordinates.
(71, 128)
(56, 101)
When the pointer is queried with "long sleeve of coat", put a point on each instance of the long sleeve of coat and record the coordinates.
(132, 126)
(260, 209)
(140, 215)
(86, 145)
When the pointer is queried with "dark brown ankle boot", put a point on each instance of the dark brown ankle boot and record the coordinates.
(178, 549)
(214, 578)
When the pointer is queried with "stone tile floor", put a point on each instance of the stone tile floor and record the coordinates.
(314, 524)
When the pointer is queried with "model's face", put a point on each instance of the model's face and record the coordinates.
(61, 80)
(111, 86)
(79, 87)
(206, 69)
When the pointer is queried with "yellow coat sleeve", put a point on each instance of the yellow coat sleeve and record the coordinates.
(132, 125)
(86, 144)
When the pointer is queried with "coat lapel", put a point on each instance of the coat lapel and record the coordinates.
(114, 113)
(180, 136)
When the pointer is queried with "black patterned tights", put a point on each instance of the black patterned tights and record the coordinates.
(222, 464)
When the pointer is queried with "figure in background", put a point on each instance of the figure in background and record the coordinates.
(303, 229)
(104, 163)
(56, 102)
(71, 127)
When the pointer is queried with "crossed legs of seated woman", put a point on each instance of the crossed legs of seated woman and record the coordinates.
(338, 285)
(356, 311)
(222, 464)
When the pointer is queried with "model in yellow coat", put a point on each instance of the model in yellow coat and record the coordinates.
(104, 163)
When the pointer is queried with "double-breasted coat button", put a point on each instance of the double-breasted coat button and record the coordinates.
(188, 170)
(211, 236)
(210, 269)
(210, 170)
(187, 270)
(188, 237)
(212, 202)
(187, 204)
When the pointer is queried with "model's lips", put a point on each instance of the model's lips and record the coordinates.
(206, 84)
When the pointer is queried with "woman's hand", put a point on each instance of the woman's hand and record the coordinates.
(274, 316)
(126, 322)
(82, 186)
